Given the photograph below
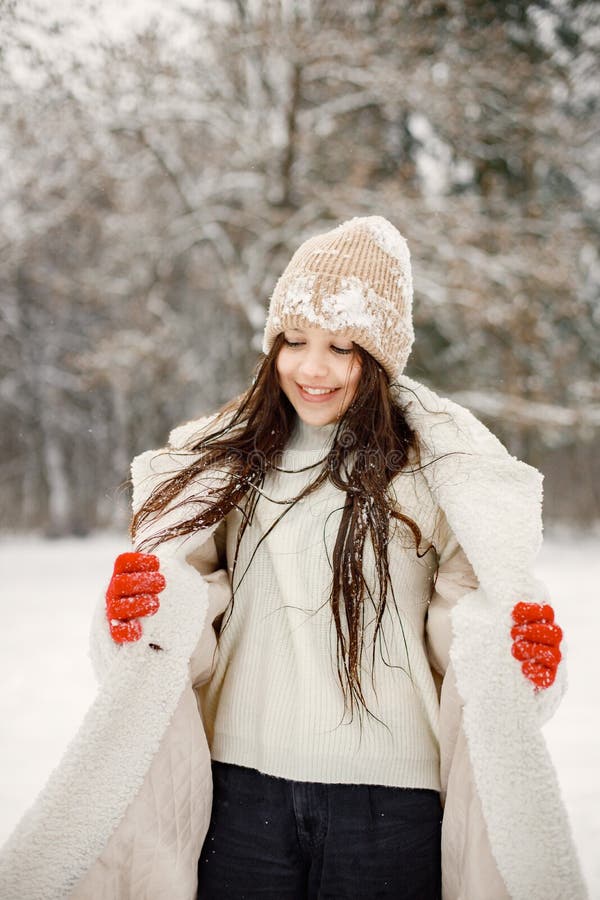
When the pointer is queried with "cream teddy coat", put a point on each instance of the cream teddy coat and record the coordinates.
(124, 815)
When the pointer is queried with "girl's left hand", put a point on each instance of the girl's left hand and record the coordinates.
(536, 642)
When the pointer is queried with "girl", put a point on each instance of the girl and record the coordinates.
(328, 628)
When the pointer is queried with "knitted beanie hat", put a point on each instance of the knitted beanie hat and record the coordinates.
(354, 280)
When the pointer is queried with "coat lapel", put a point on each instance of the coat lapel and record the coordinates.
(105, 765)
(493, 504)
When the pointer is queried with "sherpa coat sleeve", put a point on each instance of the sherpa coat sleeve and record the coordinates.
(204, 559)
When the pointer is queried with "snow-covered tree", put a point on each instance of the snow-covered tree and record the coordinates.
(156, 181)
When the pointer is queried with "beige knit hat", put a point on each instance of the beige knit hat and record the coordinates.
(354, 280)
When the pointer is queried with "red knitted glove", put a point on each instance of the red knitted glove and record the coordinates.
(132, 592)
(536, 641)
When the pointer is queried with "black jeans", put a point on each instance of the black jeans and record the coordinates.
(298, 840)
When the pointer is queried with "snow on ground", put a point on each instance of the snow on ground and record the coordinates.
(49, 589)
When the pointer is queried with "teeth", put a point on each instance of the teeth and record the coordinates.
(318, 390)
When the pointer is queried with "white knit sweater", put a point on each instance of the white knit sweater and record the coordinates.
(274, 701)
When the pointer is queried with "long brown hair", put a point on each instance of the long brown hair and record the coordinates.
(372, 443)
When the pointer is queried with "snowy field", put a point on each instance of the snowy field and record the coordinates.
(50, 587)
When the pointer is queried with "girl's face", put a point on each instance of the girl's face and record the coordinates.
(318, 372)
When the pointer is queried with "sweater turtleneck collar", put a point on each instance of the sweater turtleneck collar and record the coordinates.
(310, 438)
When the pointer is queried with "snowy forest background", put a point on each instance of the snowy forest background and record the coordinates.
(160, 163)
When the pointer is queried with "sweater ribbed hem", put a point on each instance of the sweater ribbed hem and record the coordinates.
(282, 762)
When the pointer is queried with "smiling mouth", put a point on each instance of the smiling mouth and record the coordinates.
(316, 393)
(311, 390)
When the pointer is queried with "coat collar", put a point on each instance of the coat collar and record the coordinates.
(493, 501)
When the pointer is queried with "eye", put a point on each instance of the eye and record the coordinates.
(343, 350)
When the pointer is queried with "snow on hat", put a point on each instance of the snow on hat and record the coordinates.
(354, 280)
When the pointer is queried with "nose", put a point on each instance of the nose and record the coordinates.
(313, 365)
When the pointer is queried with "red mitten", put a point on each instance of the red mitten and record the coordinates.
(132, 592)
(536, 642)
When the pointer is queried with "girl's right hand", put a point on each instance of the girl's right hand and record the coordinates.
(132, 592)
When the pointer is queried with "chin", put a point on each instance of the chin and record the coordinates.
(317, 417)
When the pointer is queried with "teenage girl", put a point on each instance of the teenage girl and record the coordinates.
(325, 662)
